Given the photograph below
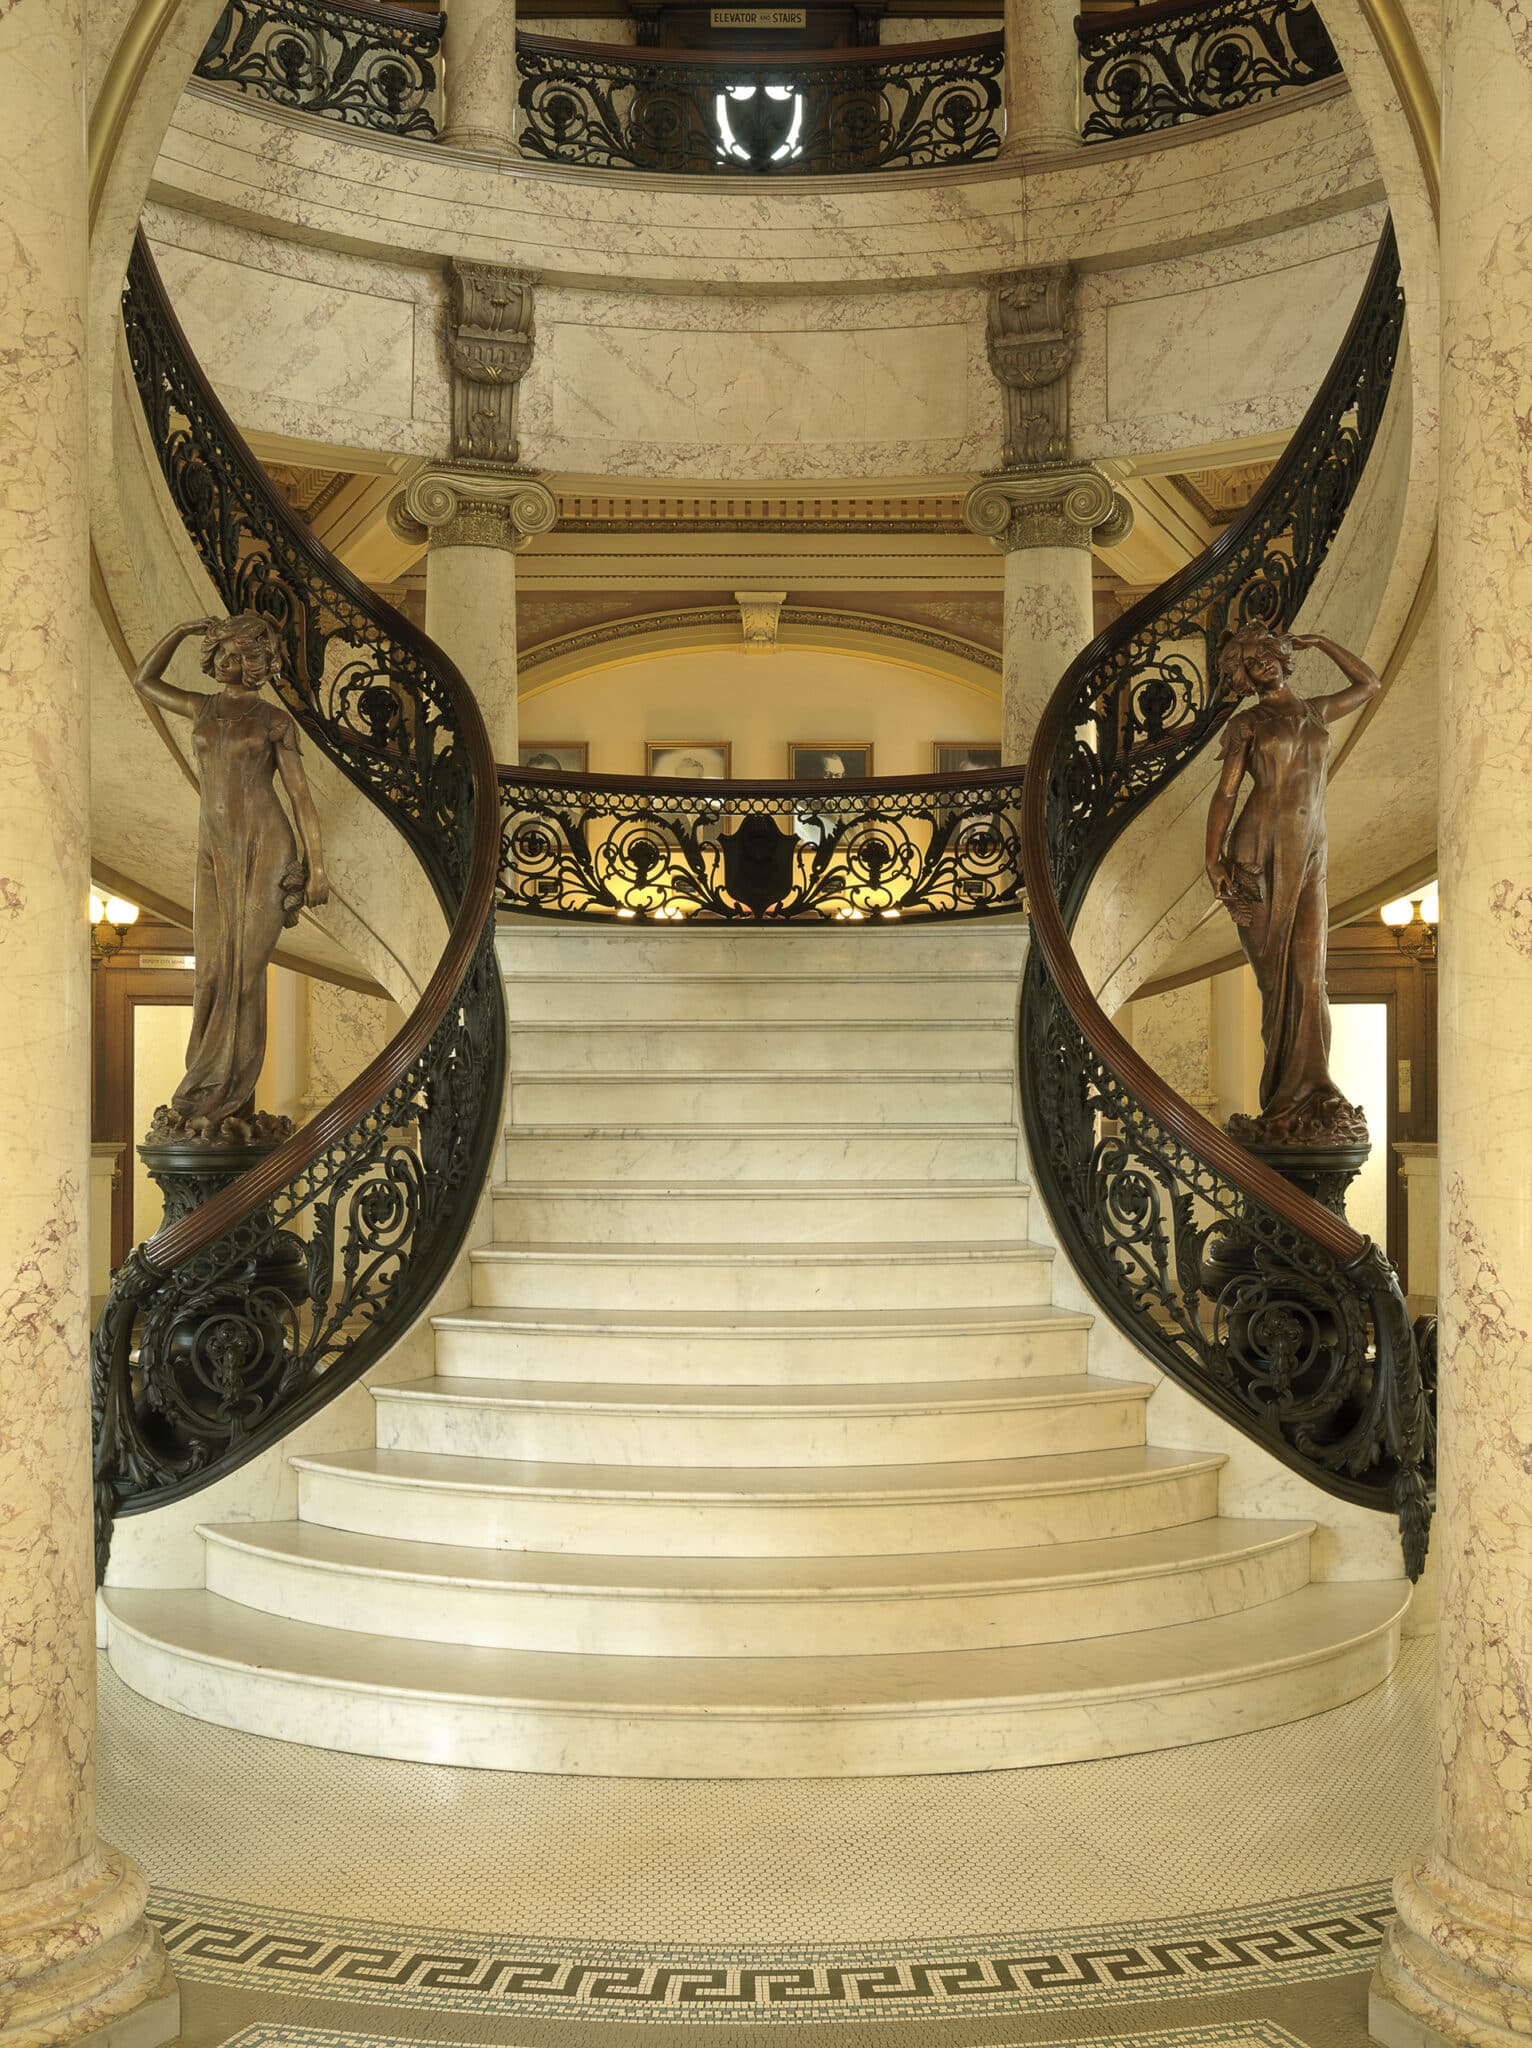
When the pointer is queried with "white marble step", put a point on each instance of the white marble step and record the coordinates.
(803, 1046)
(755, 1607)
(781, 1276)
(757, 1212)
(722, 1347)
(607, 1424)
(762, 1511)
(756, 1096)
(765, 1152)
(755, 1717)
(542, 947)
(759, 998)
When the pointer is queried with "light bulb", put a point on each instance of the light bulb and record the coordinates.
(120, 911)
(1430, 905)
(97, 908)
(1400, 912)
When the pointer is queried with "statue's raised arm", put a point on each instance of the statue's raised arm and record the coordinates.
(253, 873)
(1267, 866)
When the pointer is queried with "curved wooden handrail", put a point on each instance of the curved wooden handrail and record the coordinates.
(173, 1245)
(785, 787)
(1050, 929)
(861, 58)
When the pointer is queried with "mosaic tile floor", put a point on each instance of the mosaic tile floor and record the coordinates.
(1224, 1896)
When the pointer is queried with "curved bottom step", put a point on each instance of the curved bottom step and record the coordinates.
(796, 1717)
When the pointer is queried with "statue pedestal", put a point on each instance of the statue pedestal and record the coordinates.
(227, 1353)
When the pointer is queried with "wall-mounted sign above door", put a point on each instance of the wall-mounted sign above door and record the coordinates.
(757, 17)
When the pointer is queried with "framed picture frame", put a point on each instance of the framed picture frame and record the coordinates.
(569, 756)
(829, 760)
(689, 760)
(963, 757)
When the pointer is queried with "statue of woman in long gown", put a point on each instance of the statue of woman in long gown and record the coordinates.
(1269, 873)
(251, 878)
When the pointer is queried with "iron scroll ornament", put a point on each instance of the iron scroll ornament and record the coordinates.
(1304, 1341)
(1157, 66)
(368, 65)
(913, 106)
(201, 1360)
(591, 846)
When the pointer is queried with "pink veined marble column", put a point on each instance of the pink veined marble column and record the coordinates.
(78, 1961)
(481, 82)
(1457, 1963)
(1042, 68)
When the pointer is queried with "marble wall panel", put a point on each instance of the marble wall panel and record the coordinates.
(920, 28)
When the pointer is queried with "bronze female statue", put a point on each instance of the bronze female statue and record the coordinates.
(1269, 873)
(251, 879)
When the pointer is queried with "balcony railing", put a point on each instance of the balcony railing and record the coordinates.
(356, 61)
(1161, 65)
(910, 107)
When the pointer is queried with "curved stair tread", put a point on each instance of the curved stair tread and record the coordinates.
(1072, 1472)
(1303, 1628)
(778, 1252)
(1186, 1546)
(843, 1398)
(770, 1323)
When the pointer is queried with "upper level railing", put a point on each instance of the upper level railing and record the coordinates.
(911, 106)
(592, 846)
(1157, 66)
(235, 1322)
(1266, 1305)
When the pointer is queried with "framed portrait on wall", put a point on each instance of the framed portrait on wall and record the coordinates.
(541, 755)
(688, 760)
(962, 757)
(829, 760)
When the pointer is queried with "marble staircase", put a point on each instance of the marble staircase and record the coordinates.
(763, 1448)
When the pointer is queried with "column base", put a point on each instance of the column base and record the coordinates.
(80, 1964)
(483, 141)
(1456, 1966)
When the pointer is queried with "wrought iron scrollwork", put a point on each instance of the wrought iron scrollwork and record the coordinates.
(247, 1313)
(589, 846)
(908, 107)
(1155, 67)
(1268, 1307)
(369, 65)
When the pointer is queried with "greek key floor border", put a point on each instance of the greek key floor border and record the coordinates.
(1231, 2034)
(264, 1949)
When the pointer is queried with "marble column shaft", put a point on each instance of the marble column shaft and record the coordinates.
(1049, 618)
(1042, 69)
(77, 1959)
(479, 59)
(1457, 1962)
(471, 615)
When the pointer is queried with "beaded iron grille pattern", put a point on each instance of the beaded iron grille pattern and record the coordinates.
(371, 66)
(1253, 1948)
(587, 847)
(198, 1361)
(1157, 67)
(1302, 1345)
(910, 107)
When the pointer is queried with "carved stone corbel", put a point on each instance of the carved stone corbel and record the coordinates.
(759, 611)
(1032, 333)
(457, 508)
(1071, 505)
(489, 348)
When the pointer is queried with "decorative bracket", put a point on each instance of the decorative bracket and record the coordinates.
(1071, 505)
(477, 508)
(489, 348)
(759, 611)
(1032, 334)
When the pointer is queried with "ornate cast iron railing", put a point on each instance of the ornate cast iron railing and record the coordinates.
(1263, 1303)
(206, 1351)
(357, 61)
(1157, 66)
(765, 852)
(907, 107)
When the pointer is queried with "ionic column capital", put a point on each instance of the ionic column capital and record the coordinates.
(1071, 505)
(473, 508)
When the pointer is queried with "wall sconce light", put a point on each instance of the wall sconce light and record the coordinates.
(1413, 921)
(110, 921)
